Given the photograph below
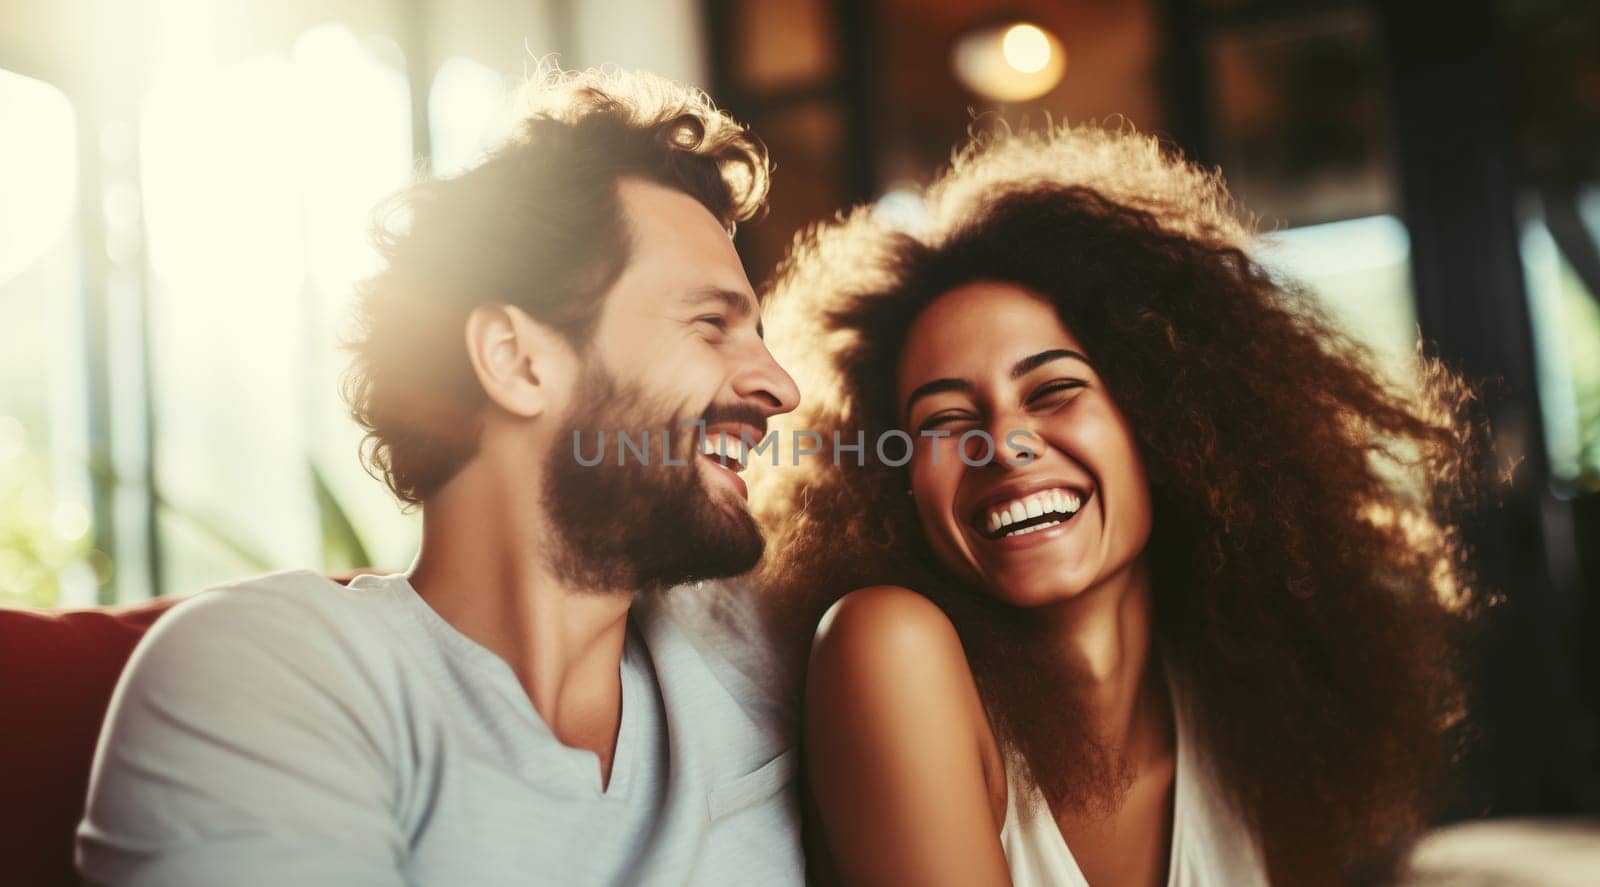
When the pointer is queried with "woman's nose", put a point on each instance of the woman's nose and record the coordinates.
(1008, 440)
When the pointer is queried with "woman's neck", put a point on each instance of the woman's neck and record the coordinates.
(1105, 636)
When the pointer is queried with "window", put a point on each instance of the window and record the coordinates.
(258, 182)
(46, 532)
(1566, 329)
(1360, 271)
(465, 105)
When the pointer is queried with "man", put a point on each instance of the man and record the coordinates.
(525, 706)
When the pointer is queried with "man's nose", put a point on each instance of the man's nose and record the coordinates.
(763, 381)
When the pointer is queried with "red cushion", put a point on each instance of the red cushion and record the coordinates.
(57, 671)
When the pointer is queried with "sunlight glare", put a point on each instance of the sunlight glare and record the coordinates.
(38, 175)
(466, 105)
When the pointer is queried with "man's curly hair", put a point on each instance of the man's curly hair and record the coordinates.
(1309, 584)
(538, 224)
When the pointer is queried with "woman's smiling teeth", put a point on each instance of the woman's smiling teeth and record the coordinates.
(1030, 513)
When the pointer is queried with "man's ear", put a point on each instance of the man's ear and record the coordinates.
(522, 365)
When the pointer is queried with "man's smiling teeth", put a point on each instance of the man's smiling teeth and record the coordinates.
(1058, 501)
(718, 446)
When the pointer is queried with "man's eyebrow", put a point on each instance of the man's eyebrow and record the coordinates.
(739, 304)
(1033, 362)
(937, 386)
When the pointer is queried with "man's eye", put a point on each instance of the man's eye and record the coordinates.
(717, 320)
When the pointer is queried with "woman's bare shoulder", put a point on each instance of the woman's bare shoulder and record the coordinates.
(877, 638)
(888, 667)
(892, 702)
(884, 621)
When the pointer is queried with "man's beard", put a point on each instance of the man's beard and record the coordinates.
(638, 527)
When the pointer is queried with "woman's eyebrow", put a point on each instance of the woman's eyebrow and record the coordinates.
(937, 386)
(1033, 362)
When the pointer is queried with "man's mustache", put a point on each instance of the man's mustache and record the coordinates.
(740, 413)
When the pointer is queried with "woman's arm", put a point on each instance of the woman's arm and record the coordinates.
(897, 747)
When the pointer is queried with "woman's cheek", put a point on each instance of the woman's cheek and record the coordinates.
(929, 466)
(934, 489)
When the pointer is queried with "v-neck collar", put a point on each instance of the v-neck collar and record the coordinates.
(583, 765)
(1182, 772)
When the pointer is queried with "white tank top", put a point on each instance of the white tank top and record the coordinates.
(1210, 843)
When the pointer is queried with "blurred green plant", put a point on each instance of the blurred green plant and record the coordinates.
(342, 548)
(41, 539)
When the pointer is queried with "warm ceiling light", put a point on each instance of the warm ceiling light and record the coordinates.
(1009, 62)
(1026, 48)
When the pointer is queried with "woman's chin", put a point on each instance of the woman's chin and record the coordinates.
(1029, 591)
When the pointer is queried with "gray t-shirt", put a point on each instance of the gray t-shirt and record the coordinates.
(288, 730)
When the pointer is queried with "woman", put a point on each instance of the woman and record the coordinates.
(1194, 618)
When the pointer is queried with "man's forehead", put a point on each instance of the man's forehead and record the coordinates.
(677, 244)
(661, 219)
(664, 209)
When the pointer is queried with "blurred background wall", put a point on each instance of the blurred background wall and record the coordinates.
(185, 188)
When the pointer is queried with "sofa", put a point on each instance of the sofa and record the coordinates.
(57, 671)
